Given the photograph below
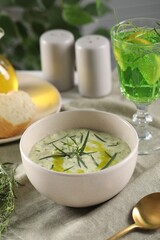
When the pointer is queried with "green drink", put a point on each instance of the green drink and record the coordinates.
(137, 54)
(136, 46)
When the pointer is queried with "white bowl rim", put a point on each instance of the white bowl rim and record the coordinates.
(109, 169)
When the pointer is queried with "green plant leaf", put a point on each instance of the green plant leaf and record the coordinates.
(27, 3)
(74, 15)
(20, 43)
(99, 11)
(6, 2)
(8, 26)
(54, 18)
(91, 8)
(38, 28)
(31, 58)
(32, 45)
(47, 3)
(30, 15)
(17, 56)
(22, 29)
(102, 8)
(20, 50)
(70, 2)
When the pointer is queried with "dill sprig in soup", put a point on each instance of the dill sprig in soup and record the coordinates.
(79, 151)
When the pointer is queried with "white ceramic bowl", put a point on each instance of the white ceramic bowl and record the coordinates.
(80, 190)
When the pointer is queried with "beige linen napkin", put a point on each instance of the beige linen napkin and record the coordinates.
(36, 217)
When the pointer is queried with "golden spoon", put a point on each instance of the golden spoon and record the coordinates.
(146, 215)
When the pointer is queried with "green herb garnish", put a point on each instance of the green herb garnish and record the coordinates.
(113, 145)
(94, 160)
(73, 140)
(108, 163)
(81, 139)
(54, 156)
(67, 169)
(75, 147)
(108, 154)
(56, 140)
(80, 161)
(101, 139)
(60, 150)
(84, 144)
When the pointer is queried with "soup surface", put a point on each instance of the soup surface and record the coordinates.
(79, 151)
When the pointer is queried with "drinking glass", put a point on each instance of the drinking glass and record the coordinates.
(136, 47)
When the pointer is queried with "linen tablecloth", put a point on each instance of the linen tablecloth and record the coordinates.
(36, 217)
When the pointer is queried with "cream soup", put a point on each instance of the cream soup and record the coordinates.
(79, 151)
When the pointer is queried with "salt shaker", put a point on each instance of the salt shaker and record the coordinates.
(93, 63)
(57, 58)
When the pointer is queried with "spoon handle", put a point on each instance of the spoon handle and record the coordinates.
(122, 232)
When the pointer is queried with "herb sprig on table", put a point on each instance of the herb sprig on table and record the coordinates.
(6, 195)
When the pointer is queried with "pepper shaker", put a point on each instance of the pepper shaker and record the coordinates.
(57, 58)
(93, 63)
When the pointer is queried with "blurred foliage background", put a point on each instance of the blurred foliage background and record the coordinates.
(25, 20)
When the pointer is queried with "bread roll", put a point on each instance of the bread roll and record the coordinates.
(16, 113)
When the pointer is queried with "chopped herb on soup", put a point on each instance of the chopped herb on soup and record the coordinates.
(79, 151)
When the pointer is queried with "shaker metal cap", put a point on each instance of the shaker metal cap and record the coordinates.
(57, 36)
(92, 42)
